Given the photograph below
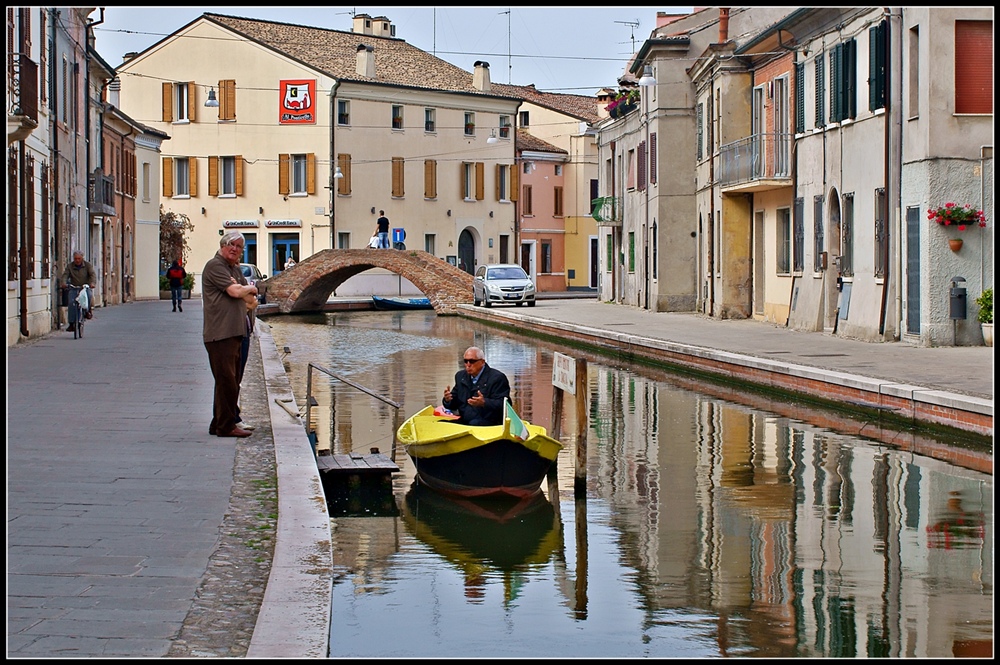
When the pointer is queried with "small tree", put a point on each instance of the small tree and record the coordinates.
(173, 240)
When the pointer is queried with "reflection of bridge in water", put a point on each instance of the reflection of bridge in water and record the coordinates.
(308, 285)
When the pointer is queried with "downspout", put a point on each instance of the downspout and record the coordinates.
(333, 163)
(710, 304)
(121, 218)
(59, 227)
(885, 177)
(22, 221)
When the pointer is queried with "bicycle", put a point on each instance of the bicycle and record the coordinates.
(76, 313)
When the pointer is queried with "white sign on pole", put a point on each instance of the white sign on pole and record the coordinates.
(564, 373)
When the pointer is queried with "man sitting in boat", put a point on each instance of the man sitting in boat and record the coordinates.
(479, 391)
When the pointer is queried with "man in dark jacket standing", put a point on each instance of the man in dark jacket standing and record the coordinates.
(479, 392)
(176, 274)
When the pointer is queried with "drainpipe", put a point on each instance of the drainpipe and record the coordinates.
(59, 227)
(710, 305)
(333, 164)
(885, 176)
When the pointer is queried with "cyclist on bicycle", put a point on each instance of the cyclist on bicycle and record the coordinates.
(79, 273)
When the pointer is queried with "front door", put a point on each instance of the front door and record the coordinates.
(283, 247)
(467, 252)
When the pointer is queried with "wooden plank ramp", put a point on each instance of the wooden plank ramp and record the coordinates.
(356, 463)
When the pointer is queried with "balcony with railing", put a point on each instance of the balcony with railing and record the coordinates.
(607, 210)
(756, 163)
(101, 194)
(22, 105)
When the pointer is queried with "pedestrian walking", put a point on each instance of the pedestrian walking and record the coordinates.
(176, 274)
(81, 274)
(382, 229)
(224, 292)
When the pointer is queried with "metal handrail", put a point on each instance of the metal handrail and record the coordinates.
(382, 398)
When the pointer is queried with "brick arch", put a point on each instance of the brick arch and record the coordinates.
(308, 285)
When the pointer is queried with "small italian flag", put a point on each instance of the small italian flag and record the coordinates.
(517, 426)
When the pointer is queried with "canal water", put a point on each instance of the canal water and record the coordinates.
(714, 522)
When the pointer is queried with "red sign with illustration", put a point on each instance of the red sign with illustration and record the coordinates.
(298, 102)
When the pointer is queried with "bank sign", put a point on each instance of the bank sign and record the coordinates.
(298, 102)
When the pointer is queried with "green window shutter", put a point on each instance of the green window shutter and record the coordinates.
(820, 90)
(800, 102)
(876, 66)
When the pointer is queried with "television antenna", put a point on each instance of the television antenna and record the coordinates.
(633, 24)
(509, 67)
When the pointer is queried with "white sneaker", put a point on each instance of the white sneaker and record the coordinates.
(247, 426)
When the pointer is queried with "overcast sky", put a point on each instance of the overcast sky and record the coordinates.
(570, 50)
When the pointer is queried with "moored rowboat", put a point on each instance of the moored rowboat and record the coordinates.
(509, 459)
(395, 303)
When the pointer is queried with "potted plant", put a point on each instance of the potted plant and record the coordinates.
(985, 315)
(956, 216)
(186, 285)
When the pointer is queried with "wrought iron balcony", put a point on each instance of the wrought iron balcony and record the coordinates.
(756, 163)
(22, 105)
(607, 210)
(101, 194)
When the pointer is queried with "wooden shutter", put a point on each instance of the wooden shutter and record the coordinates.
(284, 162)
(820, 90)
(876, 66)
(227, 99)
(344, 162)
(642, 165)
(800, 98)
(430, 179)
(311, 173)
(193, 176)
(397, 176)
(463, 169)
(238, 167)
(168, 177)
(652, 158)
(557, 208)
(497, 181)
(480, 180)
(515, 180)
(192, 101)
(973, 67)
(168, 102)
(836, 83)
(213, 176)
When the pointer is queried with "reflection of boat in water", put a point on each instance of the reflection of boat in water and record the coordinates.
(479, 535)
(396, 303)
(470, 461)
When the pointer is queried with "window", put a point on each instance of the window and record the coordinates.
(843, 81)
(430, 179)
(782, 146)
(429, 120)
(343, 112)
(700, 128)
(146, 170)
(630, 177)
(180, 176)
(546, 256)
(505, 126)
(800, 98)
(819, 235)
(470, 124)
(522, 119)
(429, 243)
(228, 173)
(881, 232)
(397, 177)
(227, 99)
(847, 236)
(820, 91)
(397, 116)
(468, 179)
(913, 67)
(178, 102)
(526, 201)
(344, 184)
(974, 67)
(609, 250)
(798, 236)
(527, 167)
(503, 180)
(631, 251)
(877, 62)
(296, 174)
(559, 169)
(557, 207)
(784, 233)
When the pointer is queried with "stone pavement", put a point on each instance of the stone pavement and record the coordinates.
(133, 533)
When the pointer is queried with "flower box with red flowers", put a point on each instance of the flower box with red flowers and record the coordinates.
(952, 214)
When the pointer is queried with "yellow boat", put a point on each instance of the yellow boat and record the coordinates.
(510, 459)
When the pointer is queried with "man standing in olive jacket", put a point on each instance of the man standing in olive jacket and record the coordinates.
(479, 391)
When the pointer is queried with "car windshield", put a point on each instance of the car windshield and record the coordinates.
(506, 273)
(247, 271)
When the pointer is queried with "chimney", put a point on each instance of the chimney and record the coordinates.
(481, 76)
(383, 27)
(362, 24)
(114, 92)
(366, 61)
(723, 25)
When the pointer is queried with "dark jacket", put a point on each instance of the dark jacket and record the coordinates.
(176, 278)
(492, 384)
(79, 275)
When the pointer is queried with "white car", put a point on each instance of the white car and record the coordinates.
(254, 275)
(502, 284)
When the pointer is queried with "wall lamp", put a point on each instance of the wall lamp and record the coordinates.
(647, 79)
(211, 102)
(449, 213)
(373, 210)
(203, 210)
(493, 137)
(261, 209)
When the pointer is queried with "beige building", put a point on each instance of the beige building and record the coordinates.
(298, 136)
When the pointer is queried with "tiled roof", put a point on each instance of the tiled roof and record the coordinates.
(580, 107)
(525, 141)
(334, 52)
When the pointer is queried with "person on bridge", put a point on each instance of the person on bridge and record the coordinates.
(479, 392)
(382, 229)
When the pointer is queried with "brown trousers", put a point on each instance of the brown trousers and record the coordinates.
(224, 359)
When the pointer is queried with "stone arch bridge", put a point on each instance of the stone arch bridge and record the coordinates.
(308, 285)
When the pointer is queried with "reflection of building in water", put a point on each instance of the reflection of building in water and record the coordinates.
(775, 522)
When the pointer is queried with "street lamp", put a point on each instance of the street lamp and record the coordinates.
(647, 79)
(493, 137)
(211, 102)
